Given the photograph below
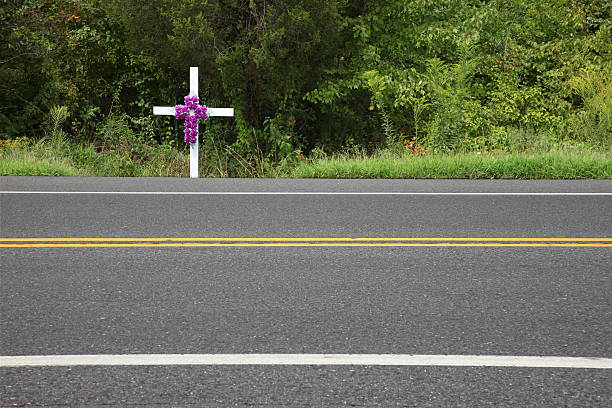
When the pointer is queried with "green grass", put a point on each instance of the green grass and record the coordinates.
(23, 162)
(60, 158)
(549, 165)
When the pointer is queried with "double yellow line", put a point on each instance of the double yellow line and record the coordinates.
(117, 242)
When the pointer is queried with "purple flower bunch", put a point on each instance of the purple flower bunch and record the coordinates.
(191, 112)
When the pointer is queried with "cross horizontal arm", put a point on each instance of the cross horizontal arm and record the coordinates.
(169, 110)
(220, 111)
(163, 110)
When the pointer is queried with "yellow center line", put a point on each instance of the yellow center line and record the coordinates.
(117, 242)
(297, 239)
(304, 244)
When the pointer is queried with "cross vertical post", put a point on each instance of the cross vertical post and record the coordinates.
(194, 147)
(191, 112)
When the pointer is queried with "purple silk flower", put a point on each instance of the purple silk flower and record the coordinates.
(191, 112)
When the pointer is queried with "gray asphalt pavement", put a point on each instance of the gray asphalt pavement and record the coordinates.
(68, 215)
(281, 386)
(551, 301)
(9, 183)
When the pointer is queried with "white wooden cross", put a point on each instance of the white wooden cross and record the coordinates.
(169, 110)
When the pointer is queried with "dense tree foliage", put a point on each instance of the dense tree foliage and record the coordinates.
(306, 74)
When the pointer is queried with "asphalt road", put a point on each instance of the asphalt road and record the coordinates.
(467, 300)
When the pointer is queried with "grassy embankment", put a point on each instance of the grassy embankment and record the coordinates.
(545, 165)
(59, 158)
(21, 161)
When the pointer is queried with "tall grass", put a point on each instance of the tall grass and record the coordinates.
(547, 165)
(47, 159)
(57, 157)
(123, 153)
(24, 162)
(120, 151)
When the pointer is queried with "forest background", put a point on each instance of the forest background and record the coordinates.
(313, 83)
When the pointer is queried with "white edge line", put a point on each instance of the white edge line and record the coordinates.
(313, 193)
(306, 359)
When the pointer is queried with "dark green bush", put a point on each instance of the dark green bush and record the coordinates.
(309, 74)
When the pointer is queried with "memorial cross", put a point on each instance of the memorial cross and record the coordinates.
(191, 112)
